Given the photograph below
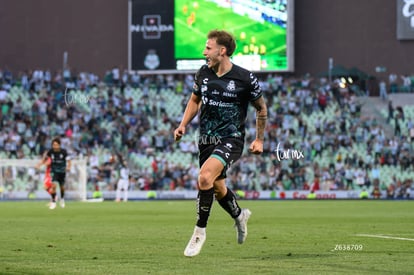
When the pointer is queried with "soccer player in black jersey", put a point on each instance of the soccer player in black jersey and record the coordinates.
(222, 92)
(60, 164)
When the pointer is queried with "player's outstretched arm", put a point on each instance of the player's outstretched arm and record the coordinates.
(189, 113)
(68, 165)
(37, 167)
(42, 162)
(261, 117)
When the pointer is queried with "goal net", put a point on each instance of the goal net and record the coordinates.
(19, 179)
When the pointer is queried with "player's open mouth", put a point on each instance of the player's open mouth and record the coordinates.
(207, 60)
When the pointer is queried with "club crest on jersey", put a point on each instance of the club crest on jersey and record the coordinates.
(231, 86)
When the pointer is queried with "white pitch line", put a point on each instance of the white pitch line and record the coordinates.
(384, 237)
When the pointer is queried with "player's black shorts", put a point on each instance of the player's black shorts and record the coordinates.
(226, 150)
(59, 178)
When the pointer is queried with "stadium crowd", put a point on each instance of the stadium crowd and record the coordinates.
(316, 138)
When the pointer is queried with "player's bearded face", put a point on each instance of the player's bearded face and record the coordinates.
(212, 53)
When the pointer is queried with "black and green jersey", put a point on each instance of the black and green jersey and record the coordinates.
(58, 160)
(225, 100)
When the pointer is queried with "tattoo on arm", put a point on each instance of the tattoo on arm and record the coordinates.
(261, 117)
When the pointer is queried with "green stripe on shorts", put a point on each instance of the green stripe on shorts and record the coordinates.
(219, 158)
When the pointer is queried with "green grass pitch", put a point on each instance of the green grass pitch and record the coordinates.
(190, 40)
(148, 237)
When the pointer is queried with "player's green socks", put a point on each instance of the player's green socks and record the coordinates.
(204, 202)
(229, 203)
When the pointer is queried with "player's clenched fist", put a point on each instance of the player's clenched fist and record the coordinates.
(256, 147)
(179, 132)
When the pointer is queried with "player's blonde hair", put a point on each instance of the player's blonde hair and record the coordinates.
(225, 39)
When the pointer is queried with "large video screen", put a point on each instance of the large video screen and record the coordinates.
(170, 35)
(261, 28)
